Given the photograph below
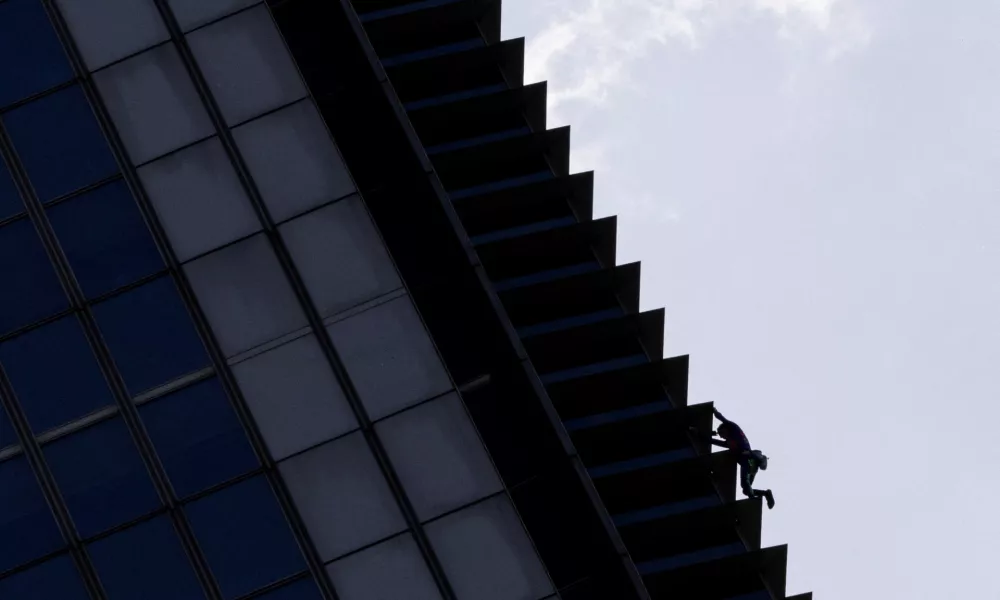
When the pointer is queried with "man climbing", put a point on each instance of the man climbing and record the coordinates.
(750, 460)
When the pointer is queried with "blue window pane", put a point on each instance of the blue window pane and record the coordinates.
(30, 289)
(198, 438)
(102, 477)
(60, 143)
(54, 374)
(33, 60)
(151, 335)
(300, 590)
(145, 561)
(10, 202)
(245, 537)
(27, 528)
(56, 579)
(105, 239)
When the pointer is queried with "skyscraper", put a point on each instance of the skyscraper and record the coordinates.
(298, 300)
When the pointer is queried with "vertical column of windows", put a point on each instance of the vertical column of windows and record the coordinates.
(342, 267)
(191, 187)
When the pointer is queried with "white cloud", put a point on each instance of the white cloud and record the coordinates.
(587, 51)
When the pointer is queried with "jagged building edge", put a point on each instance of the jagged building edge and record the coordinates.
(515, 280)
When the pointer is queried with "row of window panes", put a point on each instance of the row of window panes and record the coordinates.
(480, 557)
(147, 329)
(336, 487)
(240, 530)
(104, 31)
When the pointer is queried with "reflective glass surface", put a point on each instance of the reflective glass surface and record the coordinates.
(245, 537)
(31, 58)
(146, 561)
(27, 528)
(198, 437)
(60, 143)
(54, 374)
(101, 477)
(105, 238)
(56, 579)
(30, 290)
(151, 335)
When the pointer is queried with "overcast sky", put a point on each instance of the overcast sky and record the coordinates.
(813, 188)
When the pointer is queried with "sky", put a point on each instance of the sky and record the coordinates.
(813, 188)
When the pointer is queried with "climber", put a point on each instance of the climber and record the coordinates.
(750, 460)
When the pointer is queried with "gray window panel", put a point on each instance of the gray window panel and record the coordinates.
(487, 555)
(389, 357)
(340, 256)
(153, 103)
(342, 496)
(194, 13)
(294, 397)
(245, 295)
(438, 456)
(391, 570)
(199, 199)
(293, 160)
(109, 30)
(247, 65)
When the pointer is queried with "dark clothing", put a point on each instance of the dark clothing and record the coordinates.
(736, 440)
(749, 460)
(748, 471)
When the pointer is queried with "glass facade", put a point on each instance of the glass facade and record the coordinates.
(214, 382)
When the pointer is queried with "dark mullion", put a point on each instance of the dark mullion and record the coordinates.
(313, 316)
(127, 408)
(38, 95)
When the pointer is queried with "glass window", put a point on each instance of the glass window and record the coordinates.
(340, 256)
(198, 437)
(392, 569)
(438, 456)
(27, 528)
(101, 476)
(245, 537)
(56, 578)
(486, 554)
(342, 496)
(145, 561)
(247, 65)
(10, 200)
(389, 357)
(109, 30)
(55, 374)
(105, 239)
(153, 103)
(199, 199)
(294, 397)
(30, 290)
(304, 589)
(194, 13)
(33, 58)
(245, 295)
(293, 160)
(151, 335)
(60, 143)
